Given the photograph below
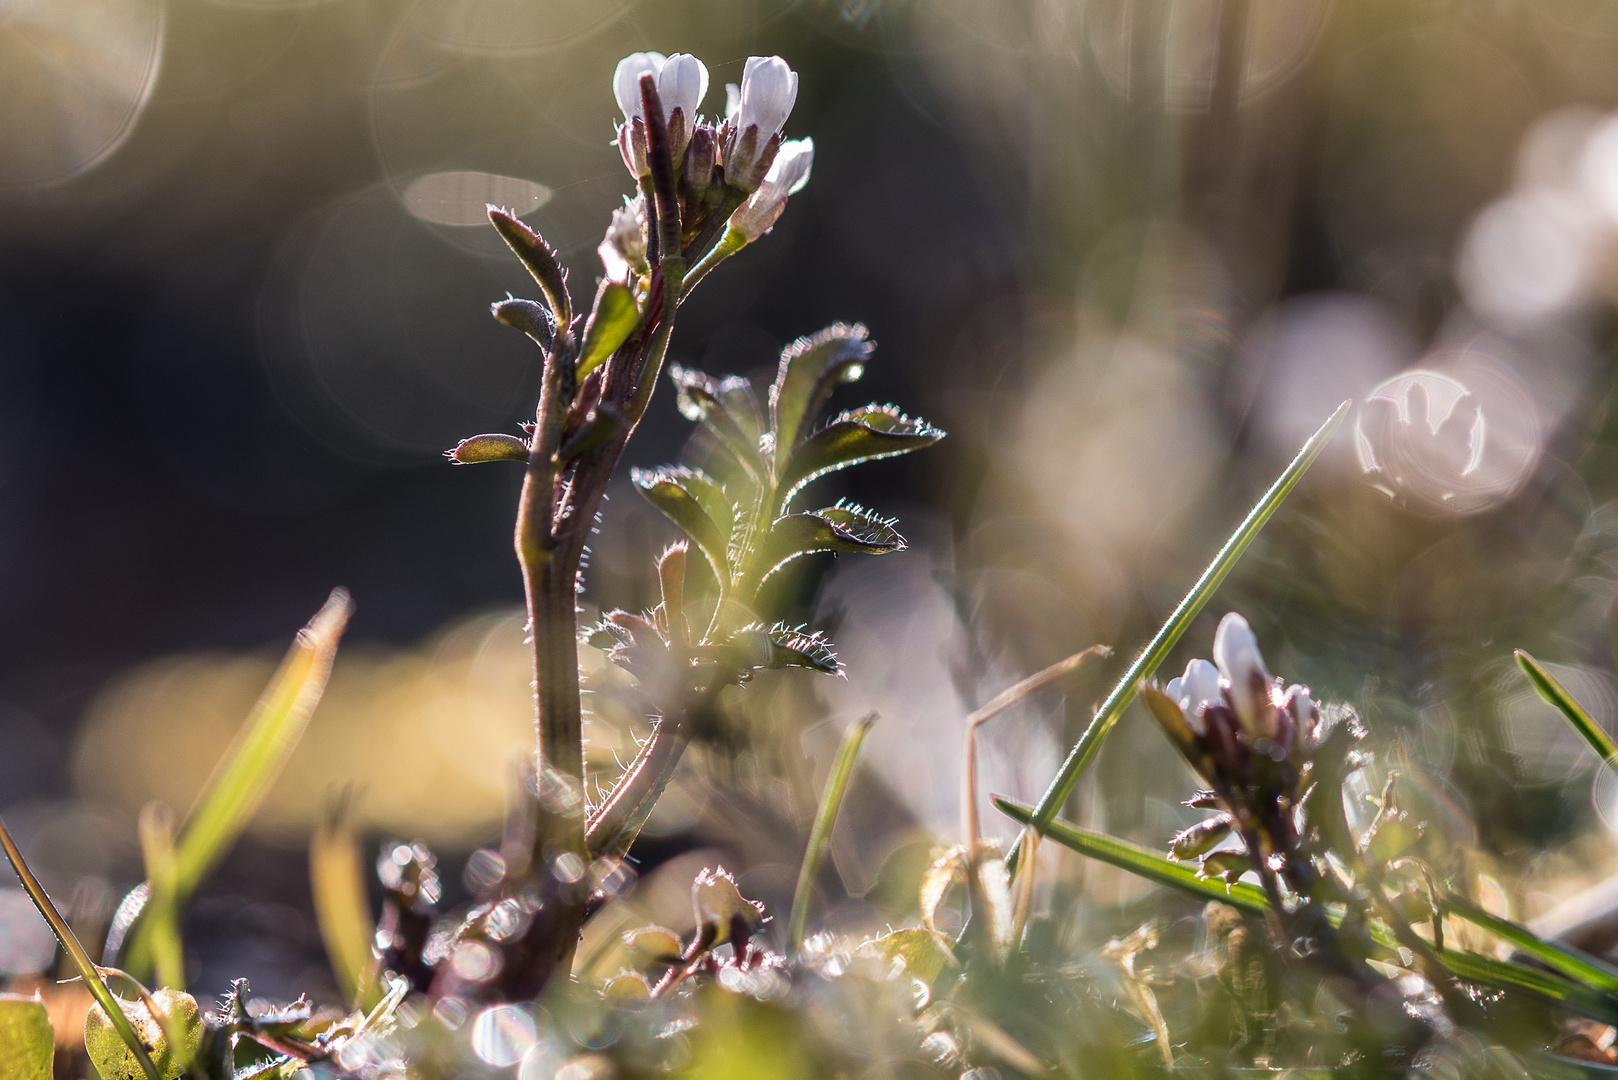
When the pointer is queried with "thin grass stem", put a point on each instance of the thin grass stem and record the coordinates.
(831, 799)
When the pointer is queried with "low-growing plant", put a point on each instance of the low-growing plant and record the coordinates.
(1311, 936)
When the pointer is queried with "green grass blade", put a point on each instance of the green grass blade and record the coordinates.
(1570, 962)
(337, 879)
(831, 799)
(162, 912)
(1084, 751)
(244, 775)
(1467, 966)
(1555, 693)
(1138, 860)
(75, 952)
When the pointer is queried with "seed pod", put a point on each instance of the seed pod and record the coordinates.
(112, 1057)
(1201, 838)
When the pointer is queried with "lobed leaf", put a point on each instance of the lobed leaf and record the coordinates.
(612, 319)
(725, 407)
(926, 954)
(494, 447)
(811, 368)
(844, 527)
(672, 489)
(876, 431)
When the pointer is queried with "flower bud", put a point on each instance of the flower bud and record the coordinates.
(1236, 654)
(682, 83)
(1197, 688)
(632, 145)
(701, 158)
(788, 173)
(626, 80)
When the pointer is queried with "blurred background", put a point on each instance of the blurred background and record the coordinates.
(1129, 253)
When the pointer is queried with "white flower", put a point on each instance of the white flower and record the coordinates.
(789, 172)
(682, 84)
(626, 80)
(1199, 686)
(1236, 654)
(769, 89)
(623, 249)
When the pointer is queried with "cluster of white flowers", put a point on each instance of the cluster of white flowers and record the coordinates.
(746, 149)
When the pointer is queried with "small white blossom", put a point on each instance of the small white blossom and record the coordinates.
(769, 89)
(789, 172)
(626, 80)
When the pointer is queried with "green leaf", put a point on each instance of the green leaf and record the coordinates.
(720, 406)
(612, 319)
(161, 916)
(1555, 693)
(263, 745)
(1570, 962)
(781, 647)
(27, 1041)
(811, 368)
(533, 319)
(831, 799)
(174, 1033)
(481, 448)
(1508, 975)
(540, 260)
(876, 431)
(337, 879)
(844, 527)
(926, 954)
(672, 490)
(1138, 860)
(1168, 635)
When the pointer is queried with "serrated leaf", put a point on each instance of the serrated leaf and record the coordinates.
(844, 527)
(494, 447)
(670, 490)
(926, 954)
(27, 1041)
(612, 319)
(876, 431)
(811, 368)
(725, 407)
(780, 647)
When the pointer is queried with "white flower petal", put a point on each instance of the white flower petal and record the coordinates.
(626, 79)
(769, 89)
